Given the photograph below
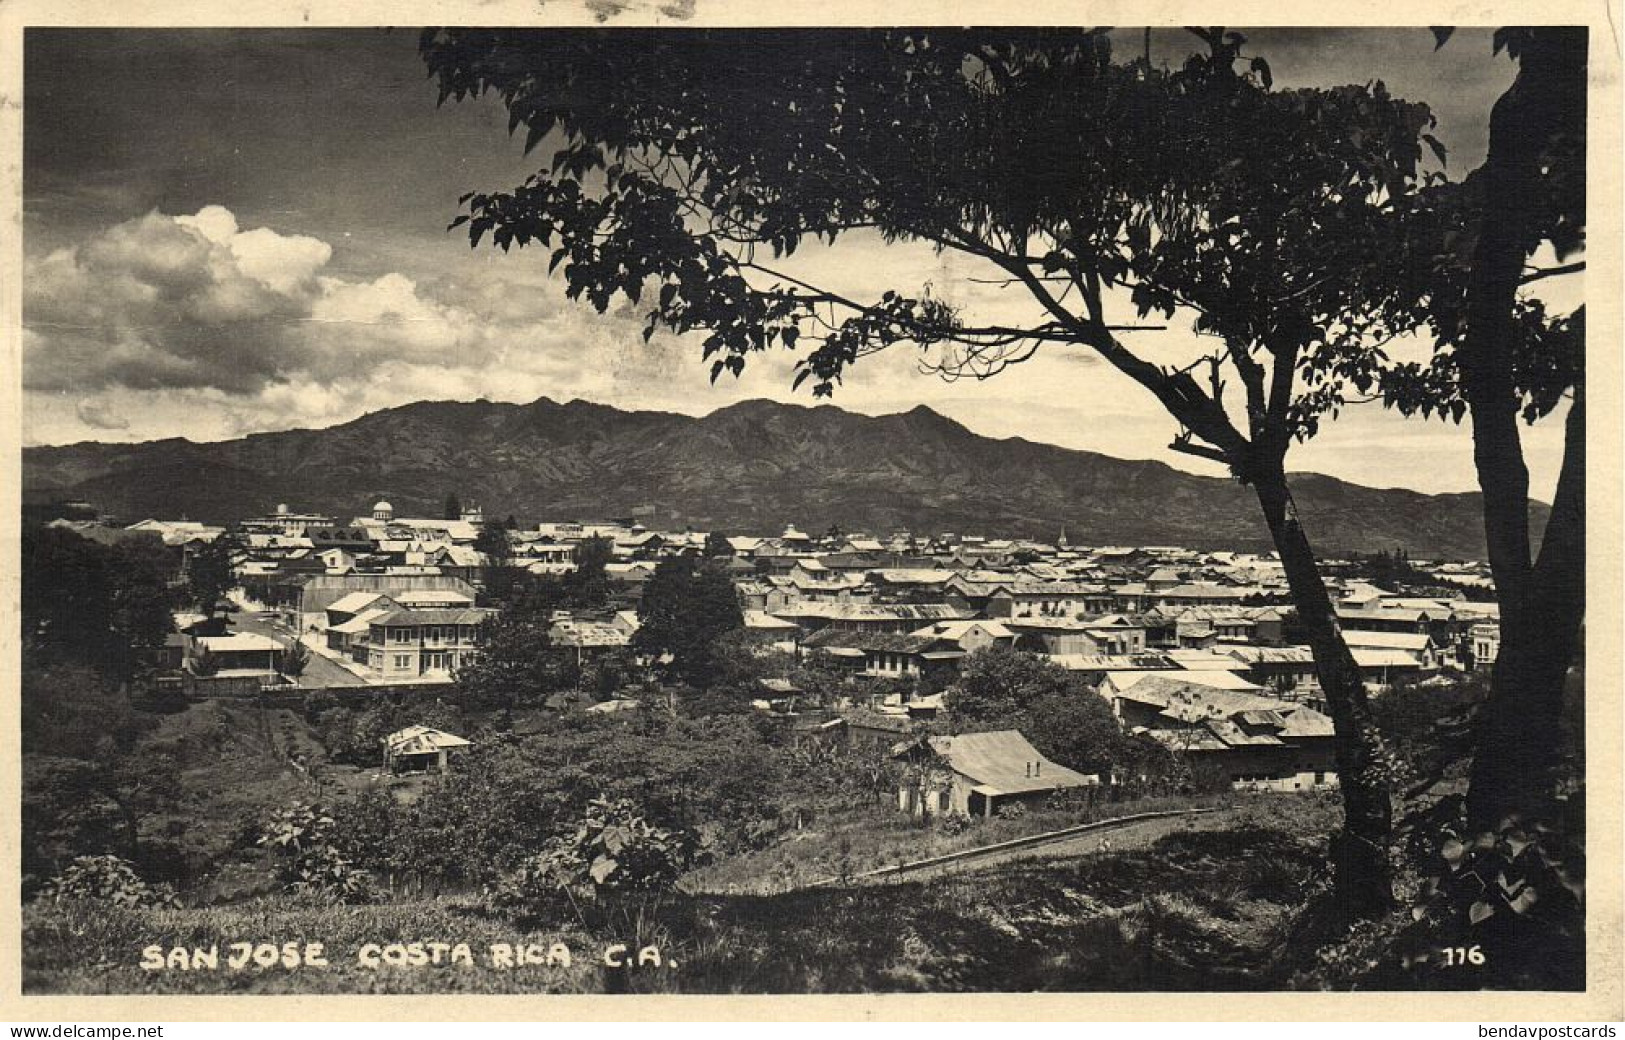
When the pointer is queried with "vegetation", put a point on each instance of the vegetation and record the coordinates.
(103, 880)
(1001, 688)
(309, 858)
(211, 572)
(105, 606)
(292, 660)
(614, 851)
(1074, 926)
(686, 606)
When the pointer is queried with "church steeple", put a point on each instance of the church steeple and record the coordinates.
(1060, 542)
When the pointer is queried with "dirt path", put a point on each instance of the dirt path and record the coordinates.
(1137, 834)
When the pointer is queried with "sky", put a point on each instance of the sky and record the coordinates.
(229, 232)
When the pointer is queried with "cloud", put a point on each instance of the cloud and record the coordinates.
(162, 301)
(192, 325)
(98, 415)
(193, 301)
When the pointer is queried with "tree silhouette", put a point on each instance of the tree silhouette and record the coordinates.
(1501, 357)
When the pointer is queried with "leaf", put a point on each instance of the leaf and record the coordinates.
(1262, 67)
(1453, 851)
(1525, 901)
(602, 868)
(532, 137)
(1480, 912)
(1439, 151)
(1442, 34)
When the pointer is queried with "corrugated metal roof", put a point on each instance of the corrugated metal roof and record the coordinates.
(420, 740)
(831, 639)
(1004, 763)
(399, 618)
(238, 643)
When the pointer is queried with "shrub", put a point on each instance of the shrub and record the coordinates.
(310, 859)
(614, 851)
(105, 879)
(204, 662)
(956, 823)
(291, 661)
(1011, 811)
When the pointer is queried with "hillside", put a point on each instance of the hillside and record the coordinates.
(754, 466)
(1196, 910)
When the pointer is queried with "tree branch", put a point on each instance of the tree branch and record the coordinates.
(1551, 272)
(1201, 451)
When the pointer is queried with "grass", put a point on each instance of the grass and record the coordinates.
(96, 950)
(226, 772)
(1204, 910)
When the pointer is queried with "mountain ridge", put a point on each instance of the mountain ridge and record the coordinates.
(755, 466)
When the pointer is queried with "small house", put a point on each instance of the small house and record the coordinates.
(419, 749)
(977, 773)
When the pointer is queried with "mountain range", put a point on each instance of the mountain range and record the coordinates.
(752, 467)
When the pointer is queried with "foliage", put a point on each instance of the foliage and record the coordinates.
(587, 586)
(492, 542)
(1030, 150)
(1428, 724)
(76, 711)
(211, 571)
(614, 850)
(823, 776)
(1002, 688)
(309, 858)
(1500, 908)
(1507, 871)
(998, 684)
(1532, 190)
(69, 809)
(509, 796)
(1498, 356)
(716, 544)
(1072, 926)
(453, 509)
(105, 879)
(204, 662)
(87, 781)
(687, 605)
(292, 659)
(355, 736)
(517, 666)
(105, 606)
(955, 823)
(1390, 571)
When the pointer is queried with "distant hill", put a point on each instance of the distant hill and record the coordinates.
(751, 467)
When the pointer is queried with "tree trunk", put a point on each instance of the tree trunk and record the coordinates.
(1519, 740)
(1519, 737)
(1364, 883)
